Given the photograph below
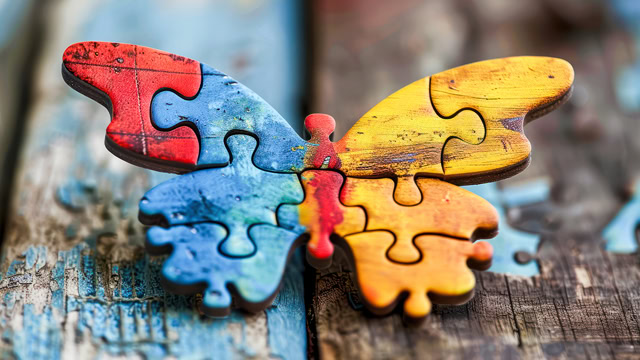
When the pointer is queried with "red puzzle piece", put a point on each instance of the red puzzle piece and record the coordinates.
(124, 78)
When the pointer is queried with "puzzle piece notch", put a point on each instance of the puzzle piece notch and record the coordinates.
(237, 196)
(124, 78)
(222, 107)
(195, 265)
(507, 93)
(442, 274)
(445, 209)
(515, 250)
(620, 232)
(321, 214)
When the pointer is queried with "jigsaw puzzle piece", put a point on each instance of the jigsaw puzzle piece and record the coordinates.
(196, 265)
(445, 209)
(224, 106)
(507, 93)
(509, 240)
(620, 233)
(237, 196)
(321, 214)
(441, 275)
(124, 78)
(403, 136)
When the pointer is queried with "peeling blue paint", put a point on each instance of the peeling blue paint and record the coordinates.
(120, 306)
(136, 322)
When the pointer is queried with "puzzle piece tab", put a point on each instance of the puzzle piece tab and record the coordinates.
(124, 79)
(441, 275)
(237, 196)
(507, 93)
(445, 209)
(321, 214)
(196, 265)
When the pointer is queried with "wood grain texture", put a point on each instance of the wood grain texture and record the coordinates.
(441, 275)
(584, 303)
(75, 280)
(445, 210)
(506, 93)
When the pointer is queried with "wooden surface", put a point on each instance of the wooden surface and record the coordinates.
(69, 286)
(75, 281)
(585, 302)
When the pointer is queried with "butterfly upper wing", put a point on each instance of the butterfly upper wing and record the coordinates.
(171, 113)
(463, 125)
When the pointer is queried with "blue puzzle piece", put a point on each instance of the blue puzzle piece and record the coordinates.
(620, 233)
(195, 264)
(238, 196)
(509, 241)
(225, 106)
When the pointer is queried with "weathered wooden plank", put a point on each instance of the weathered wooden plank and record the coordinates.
(584, 303)
(75, 280)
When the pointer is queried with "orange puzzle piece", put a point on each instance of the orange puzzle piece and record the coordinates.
(445, 209)
(441, 275)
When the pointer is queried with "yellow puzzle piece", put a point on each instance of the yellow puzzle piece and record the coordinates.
(507, 93)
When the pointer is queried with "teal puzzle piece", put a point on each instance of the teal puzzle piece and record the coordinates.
(620, 233)
(509, 240)
(238, 196)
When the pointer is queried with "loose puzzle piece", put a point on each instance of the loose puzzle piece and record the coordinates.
(620, 233)
(510, 241)
(321, 214)
(124, 78)
(507, 93)
(441, 275)
(237, 196)
(196, 265)
(445, 210)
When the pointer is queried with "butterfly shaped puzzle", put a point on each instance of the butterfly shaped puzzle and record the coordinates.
(253, 190)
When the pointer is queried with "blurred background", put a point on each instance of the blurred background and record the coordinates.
(65, 200)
